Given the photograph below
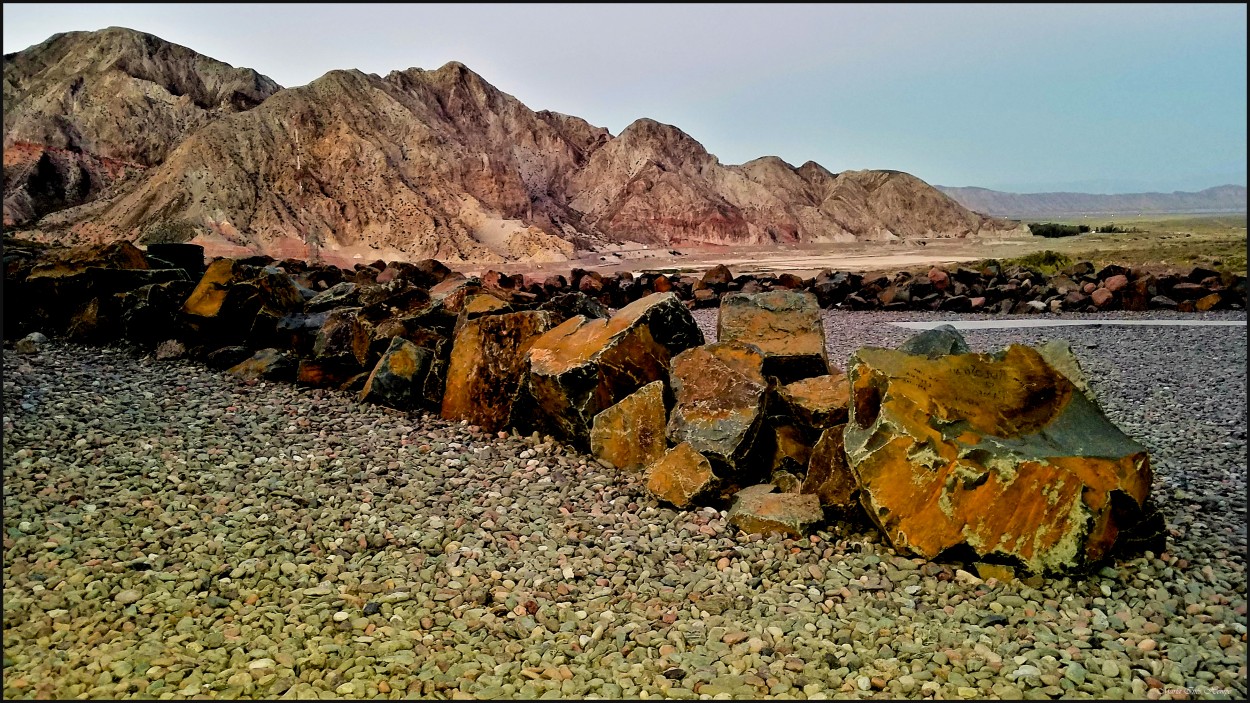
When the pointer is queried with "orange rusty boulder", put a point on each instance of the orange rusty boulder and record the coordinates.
(209, 294)
(324, 374)
(720, 392)
(828, 476)
(1004, 455)
(791, 451)
(582, 367)
(681, 477)
(486, 365)
(758, 510)
(786, 325)
(817, 402)
(630, 434)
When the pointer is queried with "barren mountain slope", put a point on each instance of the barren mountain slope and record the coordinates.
(417, 163)
(84, 109)
(654, 183)
(426, 163)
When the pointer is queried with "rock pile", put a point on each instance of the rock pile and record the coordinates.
(1002, 459)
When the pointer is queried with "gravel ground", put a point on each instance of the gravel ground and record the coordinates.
(172, 533)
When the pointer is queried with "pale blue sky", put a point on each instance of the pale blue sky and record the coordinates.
(1096, 98)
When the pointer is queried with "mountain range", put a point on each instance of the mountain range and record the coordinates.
(117, 134)
(1220, 199)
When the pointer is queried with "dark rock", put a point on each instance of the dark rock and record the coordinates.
(397, 379)
(266, 364)
(226, 357)
(828, 477)
(939, 341)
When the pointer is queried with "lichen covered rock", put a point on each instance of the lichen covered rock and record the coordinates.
(1002, 454)
(816, 402)
(399, 377)
(630, 434)
(787, 327)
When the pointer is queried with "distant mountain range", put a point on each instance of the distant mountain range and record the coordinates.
(1221, 199)
(119, 134)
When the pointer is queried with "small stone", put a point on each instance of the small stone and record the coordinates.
(128, 596)
(341, 616)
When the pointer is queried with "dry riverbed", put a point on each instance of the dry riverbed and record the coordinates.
(169, 533)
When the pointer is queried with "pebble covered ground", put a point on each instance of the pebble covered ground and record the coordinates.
(172, 533)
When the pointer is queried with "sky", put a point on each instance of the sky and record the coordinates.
(1032, 98)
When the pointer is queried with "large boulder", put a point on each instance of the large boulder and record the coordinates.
(398, 379)
(69, 289)
(186, 256)
(630, 434)
(60, 263)
(209, 295)
(1003, 455)
(149, 313)
(225, 304)
(486, 366)
(786, 326)
(720, 391)
(339, 295)
(344, 339)
(582, 367)
(681, 477)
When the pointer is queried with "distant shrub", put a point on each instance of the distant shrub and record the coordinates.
(1116, 229)
(170, 232)
(1052, 230)
(1048, 261)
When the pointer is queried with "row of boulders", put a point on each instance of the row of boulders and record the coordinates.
(999, 458)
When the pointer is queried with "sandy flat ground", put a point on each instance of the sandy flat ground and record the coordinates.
(803, 260)
(1162, 244)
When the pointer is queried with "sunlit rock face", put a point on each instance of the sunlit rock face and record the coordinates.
(582, 367)
(630, 434)
(487, 363)
(785, 325)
